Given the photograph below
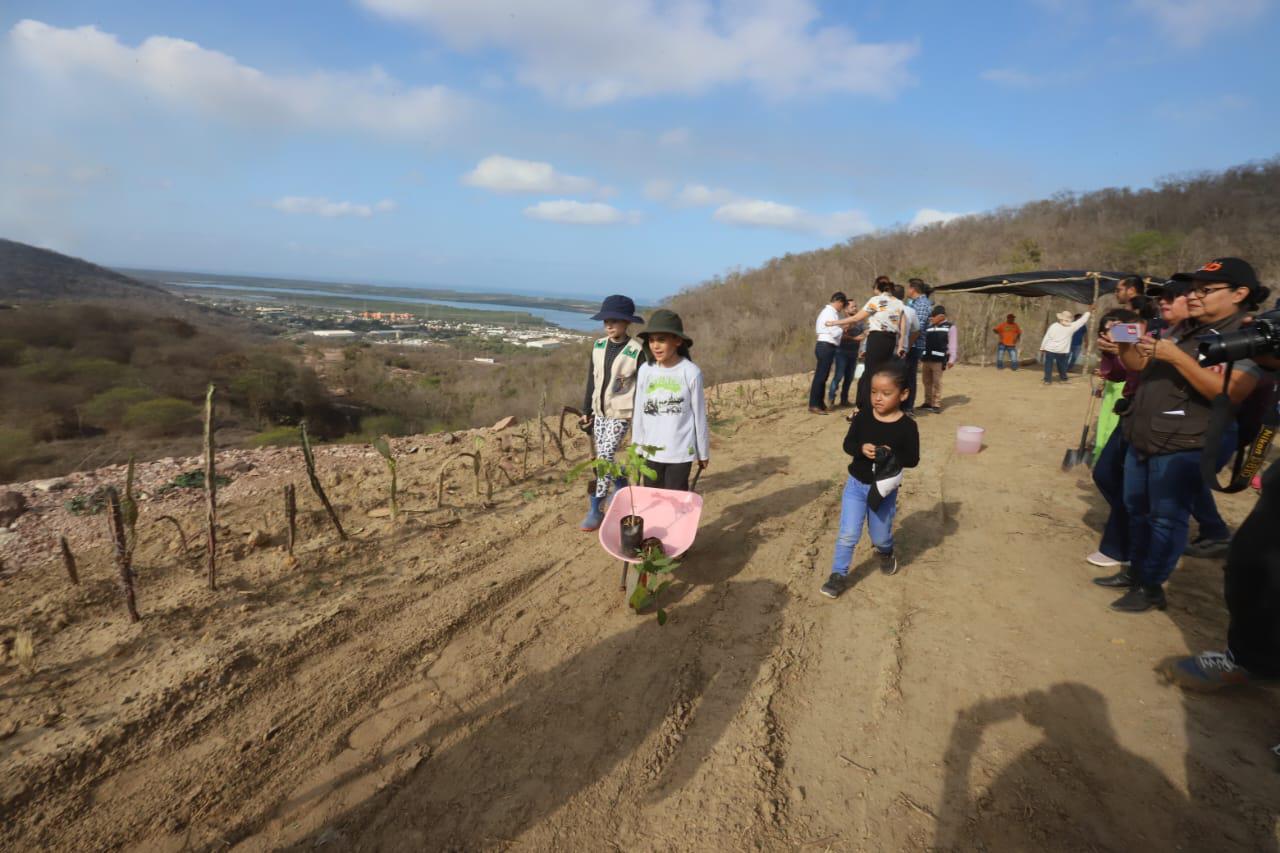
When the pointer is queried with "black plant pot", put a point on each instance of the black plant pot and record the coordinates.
(632, 528)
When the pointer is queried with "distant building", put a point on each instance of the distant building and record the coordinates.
(484, 360)
(544, 343)
(334, 333)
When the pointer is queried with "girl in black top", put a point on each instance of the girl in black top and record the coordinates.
(882, 441)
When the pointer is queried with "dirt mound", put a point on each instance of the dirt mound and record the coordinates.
(468, 678)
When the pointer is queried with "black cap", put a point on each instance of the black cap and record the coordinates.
(618, 307)
(1232, 271)
(1171, 289)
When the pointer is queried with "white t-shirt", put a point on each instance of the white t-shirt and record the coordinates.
(884, 312)
(828, 334)
(913, 326)
(671, 412)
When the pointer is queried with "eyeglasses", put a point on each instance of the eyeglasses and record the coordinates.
(1202, 292)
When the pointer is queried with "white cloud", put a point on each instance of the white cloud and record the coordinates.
(571, 212)
(185, 75)
(1189, 22)
(587, 53)
(926, 216)
(1012, 77)
(509, 175)
(316, 206)
(659, 189)
(700, 195)
(675, 137)
(758, 213)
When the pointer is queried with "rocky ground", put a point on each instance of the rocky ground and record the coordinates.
(467, 677)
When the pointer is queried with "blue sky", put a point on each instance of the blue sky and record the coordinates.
(572, 146)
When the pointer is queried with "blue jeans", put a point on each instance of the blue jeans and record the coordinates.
(1074, 356)
(1001, 349)
(1203, 509)
(1055, 358)
(1108, 476)
(853, 512)
(846, 364)
(1158, 493)
(824, 353)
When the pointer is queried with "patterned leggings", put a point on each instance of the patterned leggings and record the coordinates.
(608, 437)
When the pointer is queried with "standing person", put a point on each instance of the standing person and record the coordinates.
(1056, 345)
(1008, 333)
(671, 409)
(829, 333)
(920, 304)
(940, 352)
(882, 441)
(846, 362)
(1114, 375)
(1077, 344)
(1167, 424)
(885, 316)
(611, 390)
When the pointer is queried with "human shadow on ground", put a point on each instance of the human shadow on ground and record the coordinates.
(1077, 789)
(954, 401)
(913, 537)
(726, 545)
(746, 474)
(1235, 784)
(502, 766)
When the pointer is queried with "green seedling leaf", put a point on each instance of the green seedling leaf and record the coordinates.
(662, 617)
(380, 445)
(641, 598)
(528, 495)
(661, 587)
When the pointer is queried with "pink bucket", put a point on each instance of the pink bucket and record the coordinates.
(969, 439)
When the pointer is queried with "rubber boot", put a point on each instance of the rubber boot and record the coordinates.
(595, 515)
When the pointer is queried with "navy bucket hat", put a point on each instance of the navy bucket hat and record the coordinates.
(618, 307)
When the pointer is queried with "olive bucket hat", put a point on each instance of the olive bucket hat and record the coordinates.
(668, 322)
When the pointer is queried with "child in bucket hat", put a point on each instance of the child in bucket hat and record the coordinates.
(671, 409)
(610, 396)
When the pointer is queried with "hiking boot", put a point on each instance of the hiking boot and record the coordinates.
(1140, 599)
(834, 585)
(1102, 561)
(1207, 549)
(595, 515)
(1207, 671)
(1120, 580)
(888, 563)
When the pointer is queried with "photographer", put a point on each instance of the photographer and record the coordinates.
(1168, 421)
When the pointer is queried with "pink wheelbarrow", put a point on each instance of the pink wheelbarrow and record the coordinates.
(669, 516)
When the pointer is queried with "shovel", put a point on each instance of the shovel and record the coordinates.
(1083, 453)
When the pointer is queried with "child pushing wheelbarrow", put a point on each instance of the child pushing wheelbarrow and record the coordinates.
(655, 518)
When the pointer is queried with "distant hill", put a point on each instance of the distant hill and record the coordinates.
(30, 274)
(759, 322)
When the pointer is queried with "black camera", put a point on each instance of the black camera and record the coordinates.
(1261, 337)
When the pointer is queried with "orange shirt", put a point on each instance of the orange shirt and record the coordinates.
(1008, 333)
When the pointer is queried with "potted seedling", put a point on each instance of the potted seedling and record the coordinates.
(632, 465)
(655, 576)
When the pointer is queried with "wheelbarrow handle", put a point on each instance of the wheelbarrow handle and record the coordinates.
(693, 487)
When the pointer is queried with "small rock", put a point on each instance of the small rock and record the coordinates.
(505, 423)
(12, 505)
(8, 728)
(55, 484)
(257, 539)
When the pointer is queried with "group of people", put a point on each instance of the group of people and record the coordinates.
(894, 324)
(648, 384)
(1060, 347)
(1152, 432)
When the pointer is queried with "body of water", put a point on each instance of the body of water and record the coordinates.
(565, 319)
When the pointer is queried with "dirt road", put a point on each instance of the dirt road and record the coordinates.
(482, 686)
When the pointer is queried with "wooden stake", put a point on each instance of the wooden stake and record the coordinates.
(124, 558)
(210, 490)
(315, 481)
(69, 560)
(291, 515)
(542, 427)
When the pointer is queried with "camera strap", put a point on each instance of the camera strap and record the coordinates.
(1248, 457)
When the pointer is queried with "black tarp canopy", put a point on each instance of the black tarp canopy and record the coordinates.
(1078, 285)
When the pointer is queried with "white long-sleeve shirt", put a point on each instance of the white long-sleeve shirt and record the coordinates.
(1058, 337)
(671, 413)
(828, 334)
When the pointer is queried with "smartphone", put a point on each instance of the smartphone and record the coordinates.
(1126, 333)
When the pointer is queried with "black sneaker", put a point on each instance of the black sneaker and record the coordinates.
(1207, 549)
(888, 563)
(834, 585)
(1140, 599)
(1120, 580)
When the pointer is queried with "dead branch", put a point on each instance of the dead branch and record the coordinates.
(310, 461)
(474, 456)
(210, 490)
(182, 537)
(124, 557)
(69, 560)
